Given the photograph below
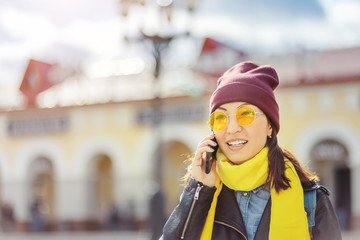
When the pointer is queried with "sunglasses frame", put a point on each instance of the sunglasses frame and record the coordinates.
(228, 115)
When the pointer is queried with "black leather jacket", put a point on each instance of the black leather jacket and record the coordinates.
(188, 218)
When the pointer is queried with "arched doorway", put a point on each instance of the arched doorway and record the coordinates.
(41, 193)
(331, 161)
(173, 168)
(101, 187)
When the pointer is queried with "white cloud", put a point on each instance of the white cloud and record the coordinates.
(24, 25)
(342, 13)
(32, 32)
(99, 38)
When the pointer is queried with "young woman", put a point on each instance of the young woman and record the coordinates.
(255, 190)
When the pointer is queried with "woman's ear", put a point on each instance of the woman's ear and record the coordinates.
(269, 132)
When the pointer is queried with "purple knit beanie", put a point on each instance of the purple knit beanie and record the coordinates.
(247, 82)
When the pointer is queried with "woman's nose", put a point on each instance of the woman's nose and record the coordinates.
(233, 125)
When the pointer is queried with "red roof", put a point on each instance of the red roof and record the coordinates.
(36, 79)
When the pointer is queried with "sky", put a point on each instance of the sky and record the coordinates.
(83, 31)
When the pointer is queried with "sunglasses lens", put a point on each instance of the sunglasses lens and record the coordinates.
(218, 121)
(245, 115)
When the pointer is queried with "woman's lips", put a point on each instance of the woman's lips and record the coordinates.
(236, 145)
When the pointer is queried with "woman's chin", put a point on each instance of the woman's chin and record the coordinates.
(237, 160)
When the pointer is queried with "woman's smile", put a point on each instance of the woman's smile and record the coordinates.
(236, 144)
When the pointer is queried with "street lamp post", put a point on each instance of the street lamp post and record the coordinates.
(159, 46)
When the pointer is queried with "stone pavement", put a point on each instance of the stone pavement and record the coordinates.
(78, 236)
(108, 236)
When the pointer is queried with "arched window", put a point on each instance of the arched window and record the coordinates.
(331, 164)
(173, 168)
(41, 193)
(101, 187)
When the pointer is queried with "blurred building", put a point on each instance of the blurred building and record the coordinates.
(319, 100)
(88, 145)
(80, 160)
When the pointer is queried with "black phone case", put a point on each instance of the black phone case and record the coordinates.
(210, 157)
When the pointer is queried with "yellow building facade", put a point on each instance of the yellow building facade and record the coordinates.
(80, 160)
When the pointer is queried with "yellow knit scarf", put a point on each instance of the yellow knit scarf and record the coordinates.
(288, 218)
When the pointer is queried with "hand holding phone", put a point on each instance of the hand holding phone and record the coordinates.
(203, 162)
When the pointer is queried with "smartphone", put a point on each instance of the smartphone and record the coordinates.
(210, 157)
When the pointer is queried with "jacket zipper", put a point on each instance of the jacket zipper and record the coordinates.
(196, 197)
(232, 227)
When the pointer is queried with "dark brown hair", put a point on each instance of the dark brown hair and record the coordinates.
(276, 171)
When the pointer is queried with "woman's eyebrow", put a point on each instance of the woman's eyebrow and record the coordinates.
(222, 108)
(242, 105)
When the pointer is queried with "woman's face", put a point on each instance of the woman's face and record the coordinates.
(241, 143)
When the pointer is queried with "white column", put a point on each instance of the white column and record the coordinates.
(16, 193)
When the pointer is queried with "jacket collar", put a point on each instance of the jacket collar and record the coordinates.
(314, 186)
(227, 210)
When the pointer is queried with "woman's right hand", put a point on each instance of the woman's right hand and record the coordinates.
(197, 167)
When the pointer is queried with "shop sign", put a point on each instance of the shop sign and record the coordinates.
(37, 125)
(171, 115)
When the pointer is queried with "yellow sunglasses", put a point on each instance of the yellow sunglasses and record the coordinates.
(245, 115)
